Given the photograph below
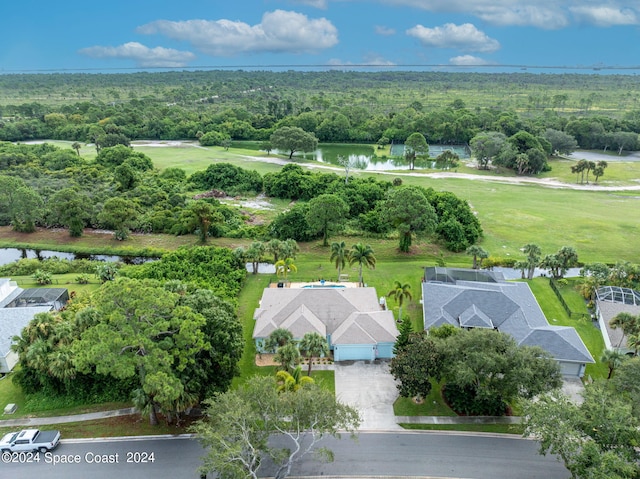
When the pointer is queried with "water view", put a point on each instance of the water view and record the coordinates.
(9, 255)
(368, 157)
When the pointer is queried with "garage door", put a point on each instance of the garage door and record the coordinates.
(354, 352)
(569, 369)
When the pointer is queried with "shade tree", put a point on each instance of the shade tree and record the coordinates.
(238, 424)
(409, 212)
(415, 147)
(326, 215)
(596, 438)
(293, 139)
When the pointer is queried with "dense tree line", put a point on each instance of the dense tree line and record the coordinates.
(373, 206)
(222, 106)
(43, 185)
(165, 343)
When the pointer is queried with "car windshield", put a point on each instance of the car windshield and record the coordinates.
(9, 438)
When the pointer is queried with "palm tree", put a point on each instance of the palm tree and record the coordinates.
(284, 266)
(313, 345)
(254, 254)
(633, 342)
(477, 252)
(363, 255)
(339, 254)
(292, 381)
(533, 253)
(399, 293)
(288, 356)
(278, 338)
(625, 321)
(76, 146)
(612, 358)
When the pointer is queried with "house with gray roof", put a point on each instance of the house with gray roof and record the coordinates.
(17, 308)
(352, 320)
(483, 299)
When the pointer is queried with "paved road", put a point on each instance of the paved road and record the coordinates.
(373, 454)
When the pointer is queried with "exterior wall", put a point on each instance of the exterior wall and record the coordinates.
(354, 352)
(260, 345)
(385, 350)
(603, 328)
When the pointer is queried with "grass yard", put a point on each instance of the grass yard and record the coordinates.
(433, 405)
(600, 225)
(68, 281)
(557, 316)
(112, 427)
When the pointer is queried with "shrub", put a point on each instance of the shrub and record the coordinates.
(42, 277)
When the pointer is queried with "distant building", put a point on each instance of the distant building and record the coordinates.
(468, 298)
(352, 319)
(17, 308)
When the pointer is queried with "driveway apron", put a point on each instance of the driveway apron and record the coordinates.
(369, 387)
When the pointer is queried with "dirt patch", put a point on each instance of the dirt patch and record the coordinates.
(265, 360)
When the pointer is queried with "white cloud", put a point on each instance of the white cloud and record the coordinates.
(312, 3)
(605, 16)
(144, 57)
(547, 14)
(464, 37)
(280, 31)
(385, 31)
(468, 60)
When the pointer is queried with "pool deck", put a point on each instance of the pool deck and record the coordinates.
(318, 285)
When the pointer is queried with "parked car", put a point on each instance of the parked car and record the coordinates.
(30, 440)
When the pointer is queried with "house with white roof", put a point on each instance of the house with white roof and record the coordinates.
(356, 326)
(17, 308)
(483, 299)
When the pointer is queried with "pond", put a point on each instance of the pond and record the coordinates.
(9, 255)
(511, 273)
(365, 157)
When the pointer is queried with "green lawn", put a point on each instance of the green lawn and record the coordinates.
(433, 405)
(557, 316)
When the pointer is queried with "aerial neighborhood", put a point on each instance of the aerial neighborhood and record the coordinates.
(249, 264)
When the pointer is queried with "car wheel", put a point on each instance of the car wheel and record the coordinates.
(43, 450)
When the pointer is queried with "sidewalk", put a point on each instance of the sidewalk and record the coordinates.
(45, 421)
(459, 419)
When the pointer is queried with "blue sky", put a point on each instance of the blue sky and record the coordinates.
(40, 35)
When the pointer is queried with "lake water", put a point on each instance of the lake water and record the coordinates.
(9, 255)
(365, 157)
(510, 273)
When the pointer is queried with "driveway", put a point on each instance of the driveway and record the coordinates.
(369, 387)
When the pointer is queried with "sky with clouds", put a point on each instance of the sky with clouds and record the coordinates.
(485, 35)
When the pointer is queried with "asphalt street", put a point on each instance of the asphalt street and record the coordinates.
(372, 454)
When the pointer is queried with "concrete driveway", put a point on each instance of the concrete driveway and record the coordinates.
(369, 387)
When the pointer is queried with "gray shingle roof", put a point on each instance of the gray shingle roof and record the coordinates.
(509, 306)
(349, 315)
(13, 321)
